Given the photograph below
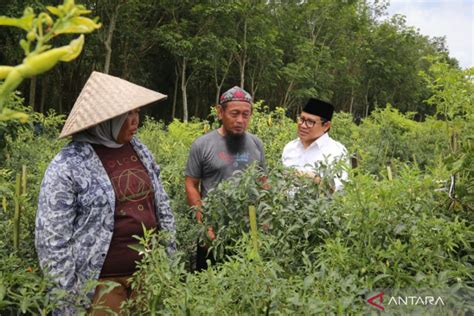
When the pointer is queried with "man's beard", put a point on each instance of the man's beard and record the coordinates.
(235, 142)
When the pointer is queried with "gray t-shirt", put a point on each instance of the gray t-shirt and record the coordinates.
(211, 161)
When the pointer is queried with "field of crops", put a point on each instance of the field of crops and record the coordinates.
(402, 227)
(396, 225)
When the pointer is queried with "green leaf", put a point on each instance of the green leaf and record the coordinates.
(55, 11)
(137, 247)
(3, 290)
(7, 115)
(75, 48)
(308, 281)
(379, 277)
(4, 71)
(77, 25)
(25, 22)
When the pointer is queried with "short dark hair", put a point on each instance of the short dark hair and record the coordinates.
(324, 121)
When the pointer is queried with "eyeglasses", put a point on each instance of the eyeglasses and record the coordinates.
(309, 123)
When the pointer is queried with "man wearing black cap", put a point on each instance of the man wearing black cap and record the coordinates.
(313, 146)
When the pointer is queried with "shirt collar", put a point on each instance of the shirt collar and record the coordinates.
(320, 142)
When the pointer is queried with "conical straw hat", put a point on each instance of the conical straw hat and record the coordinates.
(104, 97)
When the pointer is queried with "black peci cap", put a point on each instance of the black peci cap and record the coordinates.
(319, 108)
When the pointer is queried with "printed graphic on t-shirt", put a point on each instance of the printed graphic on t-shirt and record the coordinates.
(234, 160)
(131, 182)
(131, 185)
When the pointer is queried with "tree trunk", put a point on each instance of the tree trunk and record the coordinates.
(108, 41)
(175, 93)
(352, 100)
(367, 105)
(196, 107)
(219, 84)
(60, 96)
(126, 64)
(296, 112)
(243, 58)
(253, 88)
(44, 91)
(32, 92)
(367, 100)
(252, 84)
(183, 91)
(256, 74)
(218, 94)
(287, 95)
(224, 76)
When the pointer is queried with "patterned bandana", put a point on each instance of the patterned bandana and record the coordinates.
(236, 94)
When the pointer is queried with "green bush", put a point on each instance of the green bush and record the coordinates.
(388, 136)
(394, 225)
(317, 252)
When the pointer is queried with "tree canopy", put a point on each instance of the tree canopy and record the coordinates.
(280, 51)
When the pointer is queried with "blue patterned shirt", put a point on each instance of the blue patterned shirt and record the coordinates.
(75, 217)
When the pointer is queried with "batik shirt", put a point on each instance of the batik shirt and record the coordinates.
(75, 217)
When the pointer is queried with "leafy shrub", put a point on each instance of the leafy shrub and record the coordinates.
(318, 252)
(388, 136)
(391, 227)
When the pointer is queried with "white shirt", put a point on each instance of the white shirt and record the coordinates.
(323, 150)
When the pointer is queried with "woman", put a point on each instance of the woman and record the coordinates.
(98, 191)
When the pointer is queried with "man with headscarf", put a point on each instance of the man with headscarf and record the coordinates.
(314, 150)
(98, 193)
(215, 156)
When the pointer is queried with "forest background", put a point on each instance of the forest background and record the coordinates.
(282, 52)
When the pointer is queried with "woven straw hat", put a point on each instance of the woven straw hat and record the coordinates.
(104, 97)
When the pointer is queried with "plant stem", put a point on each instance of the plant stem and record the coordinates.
(253, 231)
(389, 173)
(16, 216)
(20, 190)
